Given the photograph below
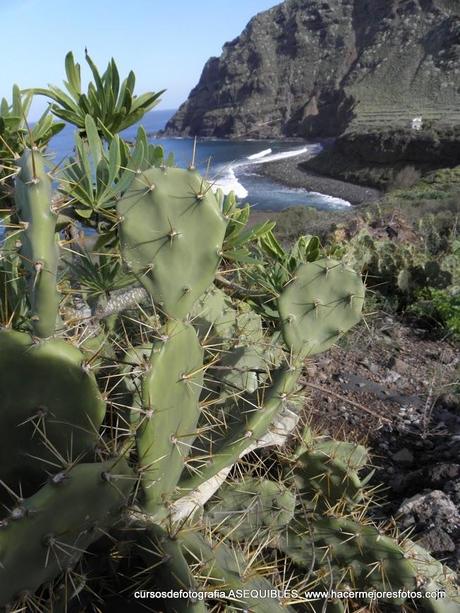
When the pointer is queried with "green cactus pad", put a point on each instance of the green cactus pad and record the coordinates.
(322, 302)
(251, 506)
(213, 313)
(171, 232)
(354, 456)
(245, 366)
(433, 577)
(166, 429)
(216, 316)
(51, 408)
(234, 337)
(49, 532)
(39, 250)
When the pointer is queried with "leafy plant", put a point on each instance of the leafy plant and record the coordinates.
(16, 134)
(112, 104)
(275, 267)
(239, 236)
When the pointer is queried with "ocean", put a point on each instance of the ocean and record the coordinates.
(228, 164)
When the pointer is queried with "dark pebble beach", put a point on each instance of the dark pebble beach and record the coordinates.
(290, 172)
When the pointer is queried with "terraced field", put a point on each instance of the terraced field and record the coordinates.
(402, 117)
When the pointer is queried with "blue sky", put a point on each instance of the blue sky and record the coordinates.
(165, 42)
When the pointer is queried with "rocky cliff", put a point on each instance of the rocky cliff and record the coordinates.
(309, 68)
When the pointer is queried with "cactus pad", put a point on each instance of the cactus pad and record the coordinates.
(168, 420)
(357, 555)
(326, 474)
(251, 506)
(38, 251)
(225, 568)
(322, 302)
(171, 231)
(51, 408)
(48, 532)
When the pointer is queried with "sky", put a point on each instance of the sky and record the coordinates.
(165, 42)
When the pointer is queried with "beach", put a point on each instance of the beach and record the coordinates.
(290, 172)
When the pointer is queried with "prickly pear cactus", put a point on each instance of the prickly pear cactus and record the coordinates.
(134, 421)
(250, 506)
(326, 474)
(170, 411)
(48, 532)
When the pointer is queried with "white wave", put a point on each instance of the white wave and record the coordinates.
(337, 203)
(261, 154)
(228, 182)
(282, 155)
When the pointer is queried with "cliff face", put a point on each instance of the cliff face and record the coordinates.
(311, 67)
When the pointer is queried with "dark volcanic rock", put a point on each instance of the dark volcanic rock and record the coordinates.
(435, 518)
(313, 67)
(374, 155)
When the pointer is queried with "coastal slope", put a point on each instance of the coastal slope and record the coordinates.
(313, 68)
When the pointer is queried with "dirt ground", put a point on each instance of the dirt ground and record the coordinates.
(394, 388)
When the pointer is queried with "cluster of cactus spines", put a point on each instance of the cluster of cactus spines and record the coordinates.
(191, 384)
(327, 477)
(322, 302)
(226, 567)
(38, 248)
(250, 506)
(171, 233)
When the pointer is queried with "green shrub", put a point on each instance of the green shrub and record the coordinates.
(440, 307)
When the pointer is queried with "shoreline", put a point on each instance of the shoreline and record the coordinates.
(289, 172)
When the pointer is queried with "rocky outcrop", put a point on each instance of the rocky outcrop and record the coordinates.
(311, 68)
(375, 156)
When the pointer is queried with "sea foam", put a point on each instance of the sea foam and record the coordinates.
(227, 180)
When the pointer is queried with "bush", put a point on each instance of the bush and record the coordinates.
(440, 307)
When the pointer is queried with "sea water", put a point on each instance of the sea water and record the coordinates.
(230, 165)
